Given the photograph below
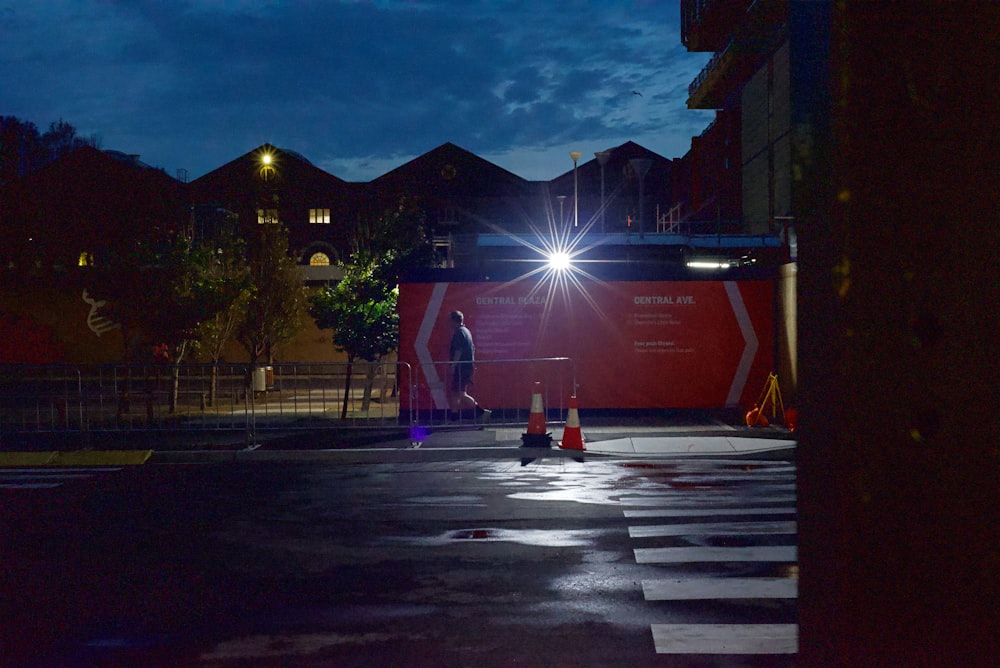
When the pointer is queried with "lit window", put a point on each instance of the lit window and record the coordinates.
(86, 260)
(267, 216)
(319, 216)
(319, 260)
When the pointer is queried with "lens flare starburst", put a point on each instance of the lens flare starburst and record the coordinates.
(558, 273)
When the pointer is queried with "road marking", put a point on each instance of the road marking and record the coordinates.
(47, 477)
(749, 477)
(702, 499)
(710, 512)
(712, 529)
(678, 555)
(719, 502)
(699, 589)
(30, 485)
(726, 638)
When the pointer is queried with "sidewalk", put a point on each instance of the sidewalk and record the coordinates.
(631, 440)
(610, 437)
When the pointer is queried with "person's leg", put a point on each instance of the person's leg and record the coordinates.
(455, 392)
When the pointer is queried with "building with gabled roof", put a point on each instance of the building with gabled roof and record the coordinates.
(460, 192)
(270, 185)
(81, 206)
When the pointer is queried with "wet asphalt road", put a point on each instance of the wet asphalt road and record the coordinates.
(461, 563)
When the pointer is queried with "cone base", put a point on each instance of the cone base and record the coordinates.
(537, 440)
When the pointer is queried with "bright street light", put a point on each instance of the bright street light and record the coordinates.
(559, 261)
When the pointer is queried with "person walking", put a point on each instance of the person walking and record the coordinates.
(462, 355)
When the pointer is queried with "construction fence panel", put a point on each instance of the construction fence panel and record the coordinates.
(505, 387)
(164, 400)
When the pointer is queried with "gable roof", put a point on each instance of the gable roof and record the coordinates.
(250, 163)
(452, 169)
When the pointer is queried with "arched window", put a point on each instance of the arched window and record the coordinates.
(319, 260)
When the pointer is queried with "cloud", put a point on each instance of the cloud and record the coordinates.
(356, 85)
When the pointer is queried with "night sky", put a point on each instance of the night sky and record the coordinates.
(358, 88)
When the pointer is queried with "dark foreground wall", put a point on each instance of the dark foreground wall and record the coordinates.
(894, 114)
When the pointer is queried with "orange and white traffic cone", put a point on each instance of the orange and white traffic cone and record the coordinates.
(572, 436)
(536, 435)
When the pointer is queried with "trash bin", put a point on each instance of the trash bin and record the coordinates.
(259, 379)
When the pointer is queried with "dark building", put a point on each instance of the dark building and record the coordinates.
(744, 159)
(89, 203)
(268, 186)
(713, 177)
(870, 126)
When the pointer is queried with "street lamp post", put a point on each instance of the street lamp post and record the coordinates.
(576, 196)
(562, 219)
(602, 158)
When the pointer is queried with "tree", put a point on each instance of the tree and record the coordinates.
(361, 308)
(361, 311)
(161, 291)
(228, 269)
(276, 297)
(23, 149)
(394, 243)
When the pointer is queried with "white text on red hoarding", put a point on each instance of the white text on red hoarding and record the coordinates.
(663, 299)
(489, 301)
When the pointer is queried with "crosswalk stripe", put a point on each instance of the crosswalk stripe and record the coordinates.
(30, 485)
(45, 470)
(726, 638)
(714, 528)
(48, 477)
(701, 500)
(44, 476)
(690, 589)
(676, 555)
(733, 477)
(710, 512)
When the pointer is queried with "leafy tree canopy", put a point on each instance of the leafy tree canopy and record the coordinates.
(361, 311)
(361, 308)
(23, 149)
(160, 291)
(276, 297)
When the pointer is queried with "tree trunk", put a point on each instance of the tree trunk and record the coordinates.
(175, 375)
(370, 373)
(347, 386)
(213, 382)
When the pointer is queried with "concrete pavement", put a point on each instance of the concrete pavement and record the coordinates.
(622, 437)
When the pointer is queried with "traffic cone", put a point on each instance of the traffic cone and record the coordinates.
(572, 436)
(791, 419)
(755, 417)
(536, 435)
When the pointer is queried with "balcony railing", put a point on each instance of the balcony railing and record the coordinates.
(709, 67)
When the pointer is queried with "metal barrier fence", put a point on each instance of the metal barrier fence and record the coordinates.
(505, 387)
(224, 398)
(229, 403)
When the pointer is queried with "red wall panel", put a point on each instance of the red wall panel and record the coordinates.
(633, 345)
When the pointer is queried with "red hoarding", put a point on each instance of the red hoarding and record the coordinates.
(632, 345)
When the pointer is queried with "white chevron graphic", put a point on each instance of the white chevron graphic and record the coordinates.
(422, 345)
(749, 351)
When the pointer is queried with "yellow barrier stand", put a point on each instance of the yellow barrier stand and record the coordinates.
(102, 457)
(75, 458)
